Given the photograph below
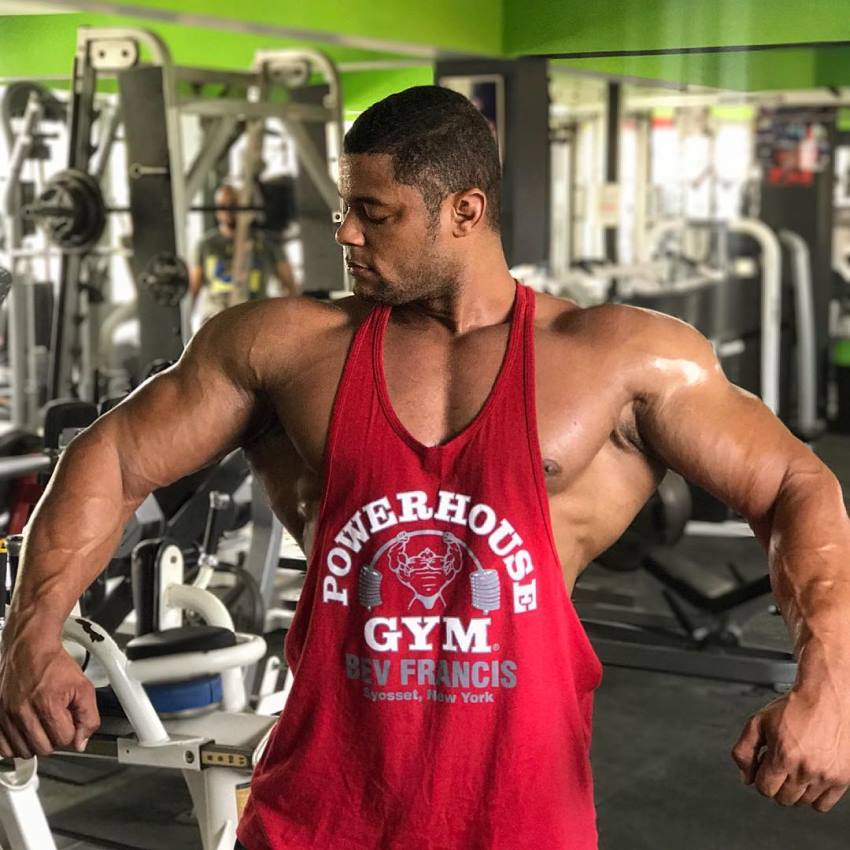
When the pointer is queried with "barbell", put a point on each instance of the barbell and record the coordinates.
(72, 211)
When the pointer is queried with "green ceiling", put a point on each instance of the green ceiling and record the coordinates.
(552, 27)
(752, 70)
(215, 33)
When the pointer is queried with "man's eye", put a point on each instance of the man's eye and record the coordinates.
(373, 219)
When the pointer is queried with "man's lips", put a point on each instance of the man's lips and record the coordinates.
(359, 269)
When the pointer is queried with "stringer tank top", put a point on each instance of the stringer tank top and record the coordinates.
(443, 684)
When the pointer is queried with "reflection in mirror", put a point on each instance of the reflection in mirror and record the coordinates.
(730, 207)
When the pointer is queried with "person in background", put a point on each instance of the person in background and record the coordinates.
(213, 266)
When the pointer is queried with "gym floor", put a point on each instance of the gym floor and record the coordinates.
(661, 758)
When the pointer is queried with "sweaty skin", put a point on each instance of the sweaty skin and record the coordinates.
(622, 394)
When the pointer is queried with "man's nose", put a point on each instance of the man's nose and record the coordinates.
(348, 232)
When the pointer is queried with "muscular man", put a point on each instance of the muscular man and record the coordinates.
(213, 267)
(444, 397)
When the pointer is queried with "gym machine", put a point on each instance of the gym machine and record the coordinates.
(175, 699)
(694, 631)
(154, 95)
(299, 87)
(698, 629)
(750, 329)
(222, 496)
(28, 115)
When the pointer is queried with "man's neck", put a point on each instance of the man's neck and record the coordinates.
(484, 295)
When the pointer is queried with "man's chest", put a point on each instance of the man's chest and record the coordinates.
(437, 391)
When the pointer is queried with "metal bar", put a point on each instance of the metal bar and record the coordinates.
(18, 155)
(216, 142)
(161, 56)
(21, 340)
(378, 65)
(101, 160)
(771, 305)
(263, 557)
(231, 106)
(760, 667)
(243, 241)
(186, 73)
(315, 165)
(730, 528)
(24, 253)
(21, 813)
(200, 208)
(132, 696)
(807, 367)
(39, 78)
(612, 159)
(66, 329)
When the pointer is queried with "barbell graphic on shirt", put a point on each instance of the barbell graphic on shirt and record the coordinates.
(428, 572)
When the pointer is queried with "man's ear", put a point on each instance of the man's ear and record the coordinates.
(468, 210)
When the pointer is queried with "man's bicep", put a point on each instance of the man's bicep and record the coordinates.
(715, 434)
(182, 419)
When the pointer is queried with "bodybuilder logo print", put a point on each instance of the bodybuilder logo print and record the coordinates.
(427, 571)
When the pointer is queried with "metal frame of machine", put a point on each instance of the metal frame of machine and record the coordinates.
(102, 54)
(214, 751)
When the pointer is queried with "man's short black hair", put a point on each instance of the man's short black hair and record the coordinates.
(439, 143)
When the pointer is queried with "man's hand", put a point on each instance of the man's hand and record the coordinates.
(796, 750)
(46, 702)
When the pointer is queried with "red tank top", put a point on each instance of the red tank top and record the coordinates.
(443, 690)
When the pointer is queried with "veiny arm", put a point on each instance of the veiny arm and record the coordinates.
(179, 421)
(729, 443)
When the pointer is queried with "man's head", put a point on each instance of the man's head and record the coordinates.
(226, 200)
(420, 178)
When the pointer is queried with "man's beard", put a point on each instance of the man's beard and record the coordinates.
(438, 279)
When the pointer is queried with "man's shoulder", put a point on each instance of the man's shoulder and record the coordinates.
(620, 328)
(291, 331)
(298, 317)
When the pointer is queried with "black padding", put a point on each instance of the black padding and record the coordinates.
(64, 414)
(17, 442)
(175, 641)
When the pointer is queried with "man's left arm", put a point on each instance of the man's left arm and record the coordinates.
(797, 749)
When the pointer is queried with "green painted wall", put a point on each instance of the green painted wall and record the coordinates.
(832, 66)
(556, 26)
(43, 44)
(515, 27)
(362, 88)
(468, 26)
(55, 36)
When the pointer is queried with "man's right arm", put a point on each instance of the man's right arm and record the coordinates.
(179, 421)
(197, 275)
(196, 282)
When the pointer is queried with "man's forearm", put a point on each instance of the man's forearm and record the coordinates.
(809, 557)
(286, 278)
(71, 537)
(196, 281)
